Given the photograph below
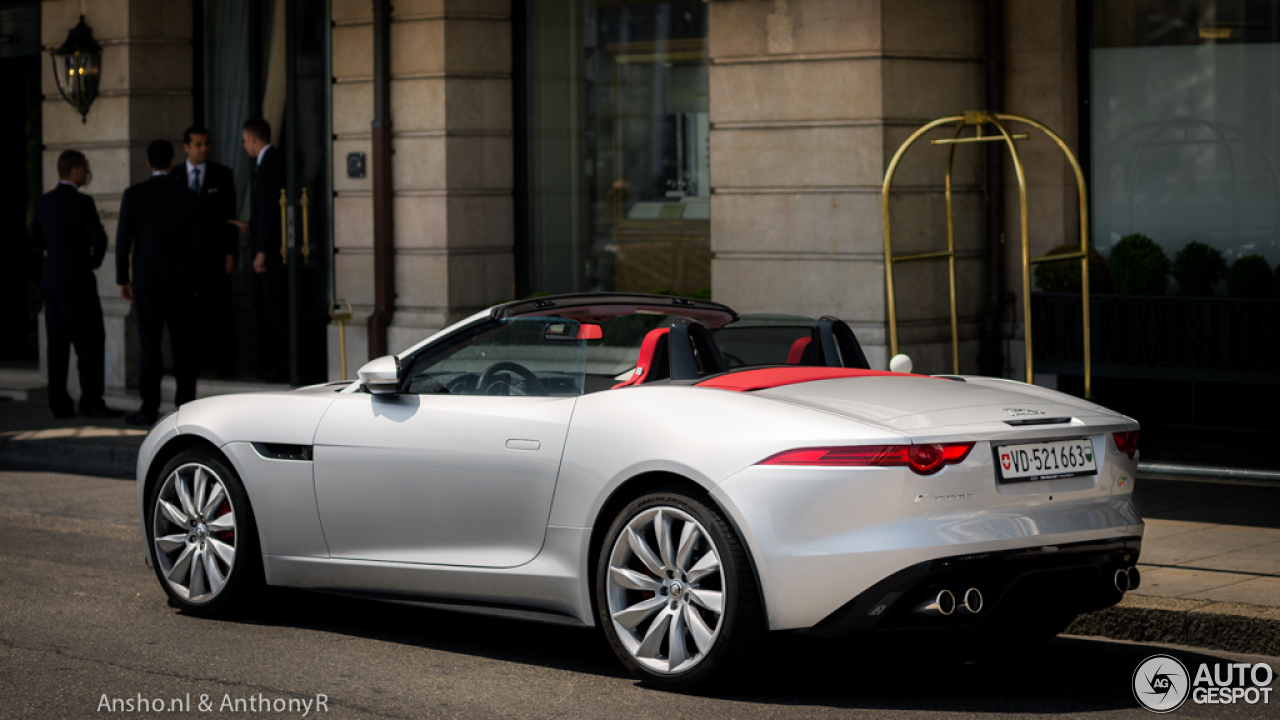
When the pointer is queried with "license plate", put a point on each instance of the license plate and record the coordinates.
(1045, 460)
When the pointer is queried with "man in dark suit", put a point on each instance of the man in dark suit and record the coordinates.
(67, 227)
(215, 185)
(159, 226)
(264, 221)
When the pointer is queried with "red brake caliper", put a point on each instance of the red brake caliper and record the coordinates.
(226, 536)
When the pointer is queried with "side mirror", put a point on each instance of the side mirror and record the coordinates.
(899, 364)
(381, 376)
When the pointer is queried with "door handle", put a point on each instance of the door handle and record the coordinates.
(523, 444)
(284, 228)
(304, 203)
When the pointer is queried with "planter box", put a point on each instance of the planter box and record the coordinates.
(1160, 337)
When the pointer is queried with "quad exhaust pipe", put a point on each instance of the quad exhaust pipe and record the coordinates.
(1126, 580)
(944, 603)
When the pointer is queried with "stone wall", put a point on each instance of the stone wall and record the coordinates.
(451, 111)
(810, 99)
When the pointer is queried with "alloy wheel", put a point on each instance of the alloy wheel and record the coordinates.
(194, 531)
(665, 590)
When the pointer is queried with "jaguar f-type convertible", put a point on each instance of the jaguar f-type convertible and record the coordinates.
(681, 477)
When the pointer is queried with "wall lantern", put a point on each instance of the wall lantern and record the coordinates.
(77, 67)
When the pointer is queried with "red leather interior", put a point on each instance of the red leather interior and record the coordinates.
(763, 378)
(797, 350)
(649, 348)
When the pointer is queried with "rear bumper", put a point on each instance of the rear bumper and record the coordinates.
(821, 537)
(1032, 582)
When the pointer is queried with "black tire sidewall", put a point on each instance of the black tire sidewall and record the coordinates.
(741, 620)
(245, 577)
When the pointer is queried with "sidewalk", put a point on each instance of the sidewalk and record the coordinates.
(1210, 560)
(31, 439)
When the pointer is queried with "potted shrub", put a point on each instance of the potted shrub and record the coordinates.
(1197, 267)
(1138, 266)
(1064, 276)
(1249, 277)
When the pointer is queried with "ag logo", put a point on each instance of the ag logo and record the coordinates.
(1161, 683)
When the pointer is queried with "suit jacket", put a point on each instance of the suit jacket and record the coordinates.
(268, 181)
(217, 205)
(67, 228)
(160, 224)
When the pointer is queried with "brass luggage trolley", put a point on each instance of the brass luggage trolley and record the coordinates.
(978, 120)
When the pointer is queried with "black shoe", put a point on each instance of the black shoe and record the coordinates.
(63, 414)
(141, 417)
(101, 411)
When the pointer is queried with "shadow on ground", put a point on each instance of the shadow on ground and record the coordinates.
(1066, 675)
(1217, 504)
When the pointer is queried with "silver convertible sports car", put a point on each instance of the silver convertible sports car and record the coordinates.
(681, 477)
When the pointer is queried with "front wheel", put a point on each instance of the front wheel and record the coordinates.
(202, 534)
(675, 592)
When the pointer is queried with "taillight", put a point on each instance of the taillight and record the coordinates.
(1127, 442)
(923, 459)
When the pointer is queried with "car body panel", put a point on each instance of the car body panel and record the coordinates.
(460, 480)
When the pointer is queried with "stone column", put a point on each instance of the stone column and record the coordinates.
(145, 94)
(451, 112)
(809, 101)
(1040, 83)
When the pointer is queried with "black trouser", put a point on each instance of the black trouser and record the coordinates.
(275, 304)
(218, 328)
(155, 310)
(73, 316)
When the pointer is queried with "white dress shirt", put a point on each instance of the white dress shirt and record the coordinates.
(200, 175)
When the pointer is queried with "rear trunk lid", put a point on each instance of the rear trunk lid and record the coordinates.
(924, 406)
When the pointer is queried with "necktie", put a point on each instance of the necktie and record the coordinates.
(195, 179)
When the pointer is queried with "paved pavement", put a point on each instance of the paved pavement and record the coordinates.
(81, 618)
(1210, 561)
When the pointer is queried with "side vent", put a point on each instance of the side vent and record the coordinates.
(280, 451)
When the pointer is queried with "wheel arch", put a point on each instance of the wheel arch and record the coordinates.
(637, 486)
(171, 449)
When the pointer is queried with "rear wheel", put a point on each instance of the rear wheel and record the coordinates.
(202, 534)
(675, 592)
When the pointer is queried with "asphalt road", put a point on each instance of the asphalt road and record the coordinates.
(82, 619)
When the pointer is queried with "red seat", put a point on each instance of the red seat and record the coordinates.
(652, 360)
(796, 356)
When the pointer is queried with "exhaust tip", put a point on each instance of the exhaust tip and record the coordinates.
(1135, 578)
(946, 602)
(973, 600)
(1122, 580)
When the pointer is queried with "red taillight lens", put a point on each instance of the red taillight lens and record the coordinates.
(1127, 442)
(923, 459)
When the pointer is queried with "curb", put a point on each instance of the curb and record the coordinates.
(1245, 629)
(116, 461)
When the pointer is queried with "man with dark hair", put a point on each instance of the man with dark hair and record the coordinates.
(264, 221)
(215, 185)
(159, 223)
(67, 227)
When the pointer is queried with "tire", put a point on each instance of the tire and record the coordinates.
(680, 611)
(202, 535)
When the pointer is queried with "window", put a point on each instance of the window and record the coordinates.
(519, 356)
(618, 147)
(1185, 124)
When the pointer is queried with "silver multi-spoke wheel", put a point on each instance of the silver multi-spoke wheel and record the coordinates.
(194, 526)
(665, 590)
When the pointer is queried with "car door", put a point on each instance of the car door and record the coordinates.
(460, 468)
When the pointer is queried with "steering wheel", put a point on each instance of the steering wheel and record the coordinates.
(533, 386)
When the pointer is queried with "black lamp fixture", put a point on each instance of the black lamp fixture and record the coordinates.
(77, 67)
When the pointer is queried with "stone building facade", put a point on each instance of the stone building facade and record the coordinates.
(806, 103)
